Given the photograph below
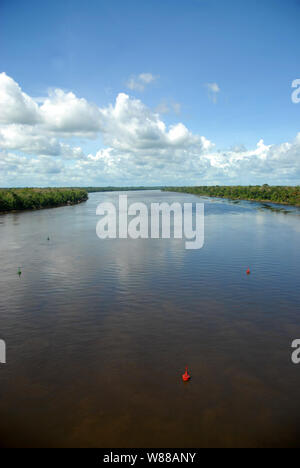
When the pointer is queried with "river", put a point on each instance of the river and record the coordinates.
(98, 332)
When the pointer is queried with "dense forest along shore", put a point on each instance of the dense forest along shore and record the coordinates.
(19, 199)
(284, 195)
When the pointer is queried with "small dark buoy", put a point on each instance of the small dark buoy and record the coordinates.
(19, 271)
(248, 271)
(48, 238)
(186, 377)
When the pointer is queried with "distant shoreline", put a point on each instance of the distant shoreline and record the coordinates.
(17, 200)
(277, 195)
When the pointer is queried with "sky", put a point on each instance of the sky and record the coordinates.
(131, 92)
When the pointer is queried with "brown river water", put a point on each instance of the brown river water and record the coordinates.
(98, 332)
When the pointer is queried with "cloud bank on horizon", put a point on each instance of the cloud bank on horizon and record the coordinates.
(39, 144)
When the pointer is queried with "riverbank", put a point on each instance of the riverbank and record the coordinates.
(283, 195)
(13, 199)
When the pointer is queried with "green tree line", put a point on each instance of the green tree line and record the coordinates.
(264, 193)
(37, 198)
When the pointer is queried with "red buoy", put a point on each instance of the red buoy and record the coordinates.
(248, 271)
(186, 376)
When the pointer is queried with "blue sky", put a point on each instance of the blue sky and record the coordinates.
(208, 69)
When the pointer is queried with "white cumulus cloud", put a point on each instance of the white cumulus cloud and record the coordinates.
(15, 105)
(30, 140)
(39, 142)
(65, 113)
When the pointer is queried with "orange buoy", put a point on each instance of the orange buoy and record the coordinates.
(248, 271)
(186, 377)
